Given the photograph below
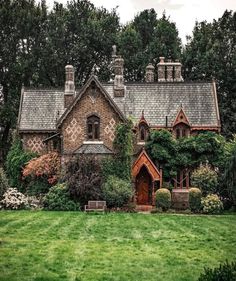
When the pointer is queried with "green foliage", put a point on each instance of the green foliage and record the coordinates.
(58, 199)
(195, 196)
(229, 176)
(17, 158)
(225, 272)
(211, 204)
(123, 147)
(146, 38)
(204, 147)
(37, 187)
(3, 182)
(116, 191)
(163, 199)
(211, 53)
(205, 178)
(83, 178)
(162, 148)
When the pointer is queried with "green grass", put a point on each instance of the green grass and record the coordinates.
(42, 246)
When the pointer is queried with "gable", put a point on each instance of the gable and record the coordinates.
(87, 88)
(181, 118)
(92, 101)
(144, 160)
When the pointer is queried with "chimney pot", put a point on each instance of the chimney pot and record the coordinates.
(69, 85)
(162, 59)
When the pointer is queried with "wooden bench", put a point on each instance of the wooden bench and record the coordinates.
(95, 206)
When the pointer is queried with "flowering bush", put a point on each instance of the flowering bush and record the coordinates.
(42, 172)
(212, 204)
(163, 199)
(13, 199)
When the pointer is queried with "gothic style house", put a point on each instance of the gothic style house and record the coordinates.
(74, 121)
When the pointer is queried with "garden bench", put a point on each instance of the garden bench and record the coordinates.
(95, 206)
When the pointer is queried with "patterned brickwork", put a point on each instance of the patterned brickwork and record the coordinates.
(110, 129)
(73, 130)
(74, 127)
(34, 142)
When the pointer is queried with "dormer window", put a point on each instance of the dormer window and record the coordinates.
(181, 131)
(93, 128)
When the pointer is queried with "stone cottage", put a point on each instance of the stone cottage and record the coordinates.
(75, 121)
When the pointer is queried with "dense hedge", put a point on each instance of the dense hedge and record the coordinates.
(195, 196)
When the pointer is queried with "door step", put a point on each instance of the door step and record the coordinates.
(144, 208)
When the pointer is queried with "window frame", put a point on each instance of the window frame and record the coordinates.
(93, 128)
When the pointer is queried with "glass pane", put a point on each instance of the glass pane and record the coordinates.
(96, 131)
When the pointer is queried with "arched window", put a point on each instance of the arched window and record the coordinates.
(143, 132)
(93, 127)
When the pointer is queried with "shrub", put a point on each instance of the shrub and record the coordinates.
(195, 196)
(116, 192)
(205, 178)
(13, 199)
(84, 180)
(212, 204)
(225, 272)
(163, 199)
(16, 160)
(46, 167)
(3, 182)
(58, 199)
(37, 187)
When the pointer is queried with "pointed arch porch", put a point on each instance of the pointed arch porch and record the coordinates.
(145, 174)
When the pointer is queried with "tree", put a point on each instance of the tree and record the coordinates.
(211, 53)
(145, 39)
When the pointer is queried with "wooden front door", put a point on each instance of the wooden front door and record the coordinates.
(143, 187)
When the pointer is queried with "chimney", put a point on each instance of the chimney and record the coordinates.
(149, 76)
(169, 71)
(118, 67)
(177, 66)
(161, 70)
(69, 85)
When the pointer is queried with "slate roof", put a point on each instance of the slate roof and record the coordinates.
(93, 149)
(41, 109)
(159, 100)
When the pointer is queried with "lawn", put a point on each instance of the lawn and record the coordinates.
(42, 246)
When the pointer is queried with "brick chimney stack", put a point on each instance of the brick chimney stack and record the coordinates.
(169, 71)
(69, 85)
(149, 76)
(118, 67)
(161, 70)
